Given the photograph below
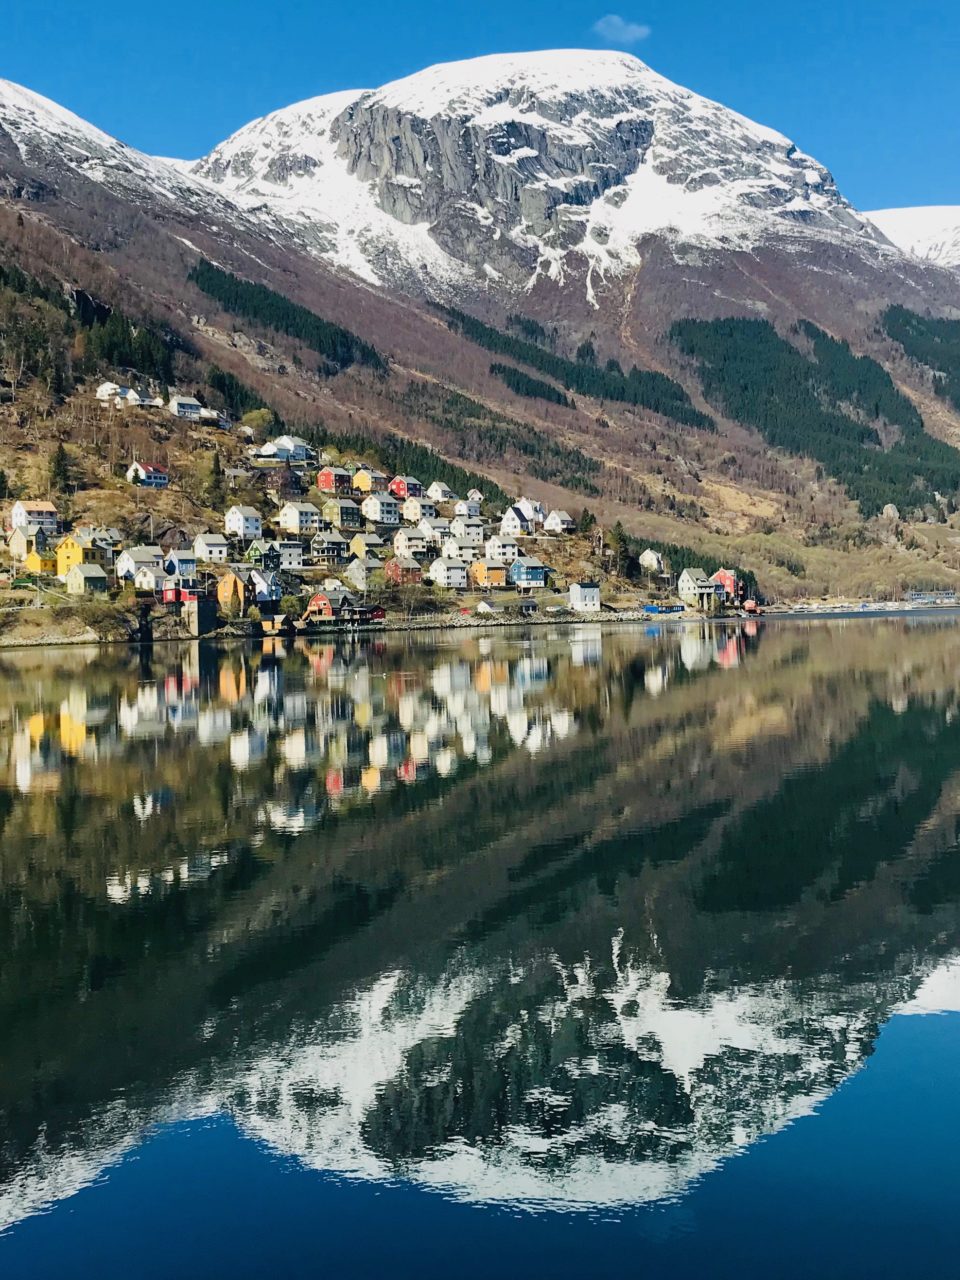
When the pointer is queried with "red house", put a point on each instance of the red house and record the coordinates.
(405, 487)
(403, 573)
(334, 480)
(728, 579)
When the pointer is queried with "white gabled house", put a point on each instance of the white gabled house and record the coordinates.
(381, 508)
(651, 561)
(434, 530)
(149, 578)
(502, 548)
(108, 391)
(409, 544)
(181, 563)
(468, 529)
(185, 407)
(302, 519)
(147, 475)
(584, 597)
(466, 507)
(415, 509)
(441, 492)
(454, 548)
(532, 509)
(27, 511)
(212, 548)
(243, 523)
(449, 573)
(559, 522)
(474, 495)
(515, 521)
(133, 558)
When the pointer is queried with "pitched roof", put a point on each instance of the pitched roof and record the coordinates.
(88, 570)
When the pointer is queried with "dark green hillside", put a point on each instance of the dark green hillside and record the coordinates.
(931, 342)
(654, 391)
(828, 406)
(256, 302)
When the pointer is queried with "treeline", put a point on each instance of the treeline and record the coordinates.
(237, 396)
(522, 384)
(119, 344)
(641, 387)
(398, 456)
(472, 430)
(42, 337)
(800, 404)
(931, 342)
(338, 346)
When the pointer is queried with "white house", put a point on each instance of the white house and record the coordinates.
(133, 558)
(128, 398)
(147, 475)
(585, 597)
(149, 578)
(454, 548)
(468, 529)
(409, 544)
(285, 448)
(243, 523)
(559, 522)
(185, 407)
(302, 519)
(416, 509)
(34, 511)
(651, 561)
(212, 548)
(449, 573)
(108, 391)
(434, 530)
(291, 553)
(502, 548)
(441, 492)
(515, 521)
(475, 495)
(532, 510)
(381, 508)
(467, 507)
(698, 591)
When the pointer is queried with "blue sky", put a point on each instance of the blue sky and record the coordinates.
(870, 89)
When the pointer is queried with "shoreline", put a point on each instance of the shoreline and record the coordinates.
(53, 640)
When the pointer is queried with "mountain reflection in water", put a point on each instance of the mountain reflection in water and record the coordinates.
(557, 920)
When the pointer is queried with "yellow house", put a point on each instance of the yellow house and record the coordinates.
(76, 548)
(40, 562)
(367, 480)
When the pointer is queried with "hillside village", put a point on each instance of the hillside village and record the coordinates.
(305, 536)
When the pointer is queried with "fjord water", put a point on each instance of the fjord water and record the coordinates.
(569, 953)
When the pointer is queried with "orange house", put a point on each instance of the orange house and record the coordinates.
(488, 573)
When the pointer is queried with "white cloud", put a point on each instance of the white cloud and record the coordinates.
(616, 30)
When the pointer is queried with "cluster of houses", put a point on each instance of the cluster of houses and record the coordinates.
(187, 408)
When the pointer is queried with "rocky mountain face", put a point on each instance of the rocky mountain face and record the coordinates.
(529, 165)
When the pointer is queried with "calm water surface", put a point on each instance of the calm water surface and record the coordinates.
(580, 953)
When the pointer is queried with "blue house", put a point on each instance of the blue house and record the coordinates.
(181, 563)
(527, 573)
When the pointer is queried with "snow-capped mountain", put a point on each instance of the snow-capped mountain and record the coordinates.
(515, 166)
(931, 233)
(552, 175)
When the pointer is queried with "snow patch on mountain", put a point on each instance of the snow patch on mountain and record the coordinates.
(931, 233)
